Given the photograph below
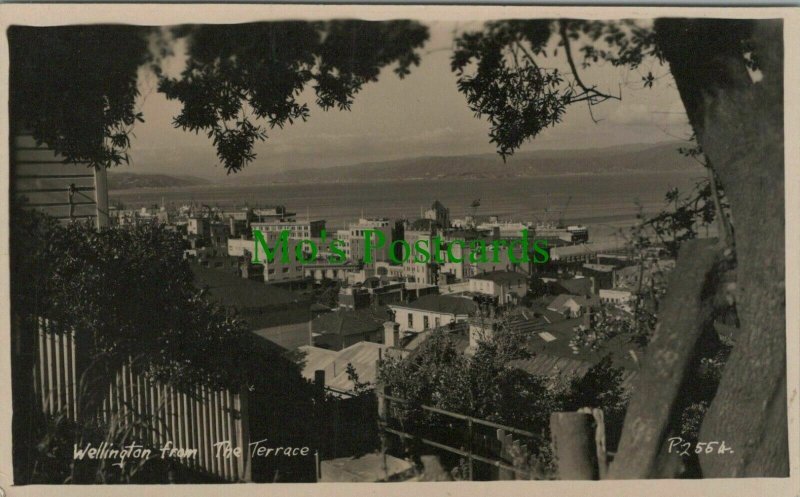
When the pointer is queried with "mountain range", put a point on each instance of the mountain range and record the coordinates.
(623, 159)
(124, 180)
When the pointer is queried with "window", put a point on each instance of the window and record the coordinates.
(425, 322)
(410, 320)
(285, 270)
(437, 322)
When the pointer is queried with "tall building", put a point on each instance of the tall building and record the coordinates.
(438, 213)
(298, 230)
(277, 270)
(355, 243)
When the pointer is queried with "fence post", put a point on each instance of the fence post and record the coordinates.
(244, 411)
(505, 441)
(381, 391)
(573, 438)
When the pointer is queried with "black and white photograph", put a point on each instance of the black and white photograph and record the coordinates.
(319, 247)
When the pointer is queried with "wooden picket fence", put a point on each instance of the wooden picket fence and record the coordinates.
(201, 421)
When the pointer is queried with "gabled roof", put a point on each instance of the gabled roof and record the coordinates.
(576, 286)
(349, 322)
(561, 300)
(442, 304)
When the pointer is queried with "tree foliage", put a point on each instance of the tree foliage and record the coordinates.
(75, 87)
(133, 292)
(508, 70)
(486, 386)
(238, 76)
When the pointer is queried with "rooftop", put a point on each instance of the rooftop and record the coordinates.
(362, 355)
(576, 286)
(231, 289)
(350, 322)
(557, 253)
(443, 304)
(501, 276)
(603, 268)
(582, 301)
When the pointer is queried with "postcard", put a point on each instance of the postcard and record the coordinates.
(360, 249)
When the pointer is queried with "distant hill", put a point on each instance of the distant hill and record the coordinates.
(125, 181)
(625, 159)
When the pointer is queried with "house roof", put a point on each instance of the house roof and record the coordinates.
(561, 300)
(288, 337)
(501, 276)
(523, 320)
(362, 355)
(576, 286)
(231, 289)
(540, 308)
(557, 253)
(603, 268)
(457, 331)
(458, 338)
(554, 340)
(442, 304)
(549, 365)
(350, 322)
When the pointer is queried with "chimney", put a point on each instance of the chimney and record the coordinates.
(391, 334)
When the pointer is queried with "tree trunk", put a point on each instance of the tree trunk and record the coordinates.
(654, 410)
(739, 124)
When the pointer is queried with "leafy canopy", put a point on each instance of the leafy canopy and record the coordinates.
(509, 70)
(239, 75)
(76, 87)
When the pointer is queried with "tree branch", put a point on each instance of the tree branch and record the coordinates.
(595, 96)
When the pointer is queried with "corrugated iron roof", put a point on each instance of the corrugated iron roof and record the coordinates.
(444, 304)
(362, 355)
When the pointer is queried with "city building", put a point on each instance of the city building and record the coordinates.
(602, 274)
(198, 226)
(298, 230)
(432, 311)
(354, 238)
(615, 296)
(506, 286)
(275, 271)
(439, 214)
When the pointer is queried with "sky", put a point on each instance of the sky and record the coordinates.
(421, 115)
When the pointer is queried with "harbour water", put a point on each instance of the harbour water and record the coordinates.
(604, 202)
